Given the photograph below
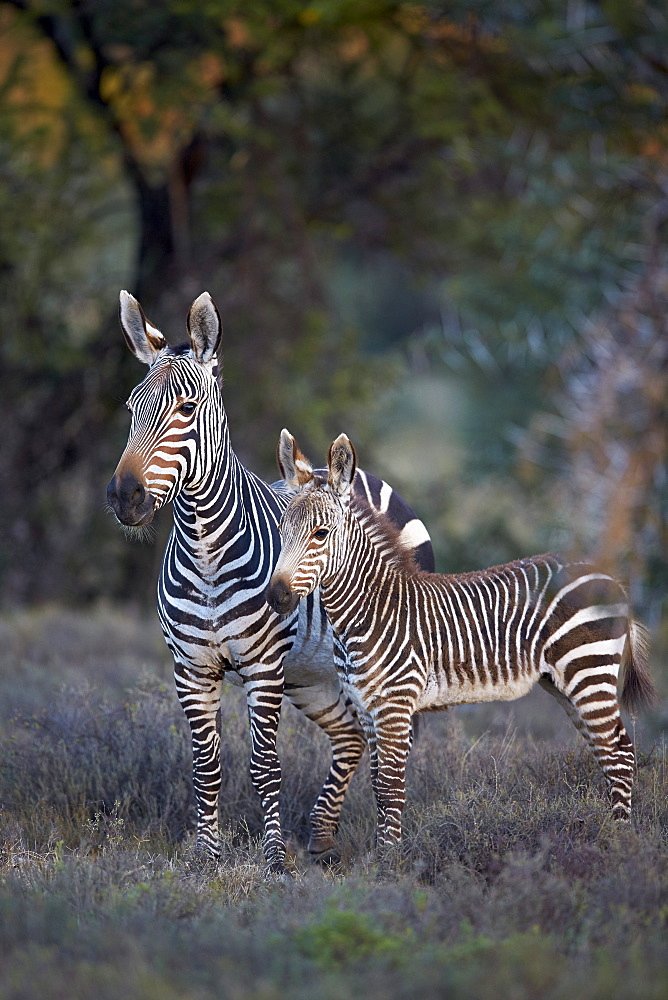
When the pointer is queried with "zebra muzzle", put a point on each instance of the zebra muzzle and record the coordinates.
(129, 500)
(280, 597)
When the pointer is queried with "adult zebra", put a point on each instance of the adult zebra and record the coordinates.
(215, 570)
(409, 641)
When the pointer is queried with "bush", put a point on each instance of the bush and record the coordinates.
(76, 769)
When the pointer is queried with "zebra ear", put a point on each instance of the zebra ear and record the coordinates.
(294, 467)
(342, 463)
(204, 327)
(144, 340)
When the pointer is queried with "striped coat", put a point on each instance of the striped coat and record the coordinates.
(215, 571)
(410, 641)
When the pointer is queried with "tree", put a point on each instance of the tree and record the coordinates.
(608, 440)
(491, 155)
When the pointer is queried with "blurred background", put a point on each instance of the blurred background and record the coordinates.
(440, 227)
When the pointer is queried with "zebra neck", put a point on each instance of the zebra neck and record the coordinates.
(361, 589)
(220, 519)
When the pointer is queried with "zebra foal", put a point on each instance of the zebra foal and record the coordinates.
(408, 641)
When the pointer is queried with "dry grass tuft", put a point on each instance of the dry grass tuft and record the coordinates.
(512, 879)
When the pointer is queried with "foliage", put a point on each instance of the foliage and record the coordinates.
(340, 176)
(609, 438)
(345, 937)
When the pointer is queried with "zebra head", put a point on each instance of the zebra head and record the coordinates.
(313, 524)
(177, 412)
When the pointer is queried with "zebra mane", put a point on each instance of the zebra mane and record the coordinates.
(384, 536)
(180, 350)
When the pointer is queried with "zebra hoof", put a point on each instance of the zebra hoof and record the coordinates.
(328, 859)
(324, 850)
(277, 872)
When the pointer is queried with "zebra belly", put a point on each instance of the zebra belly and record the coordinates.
(311, 659)
(441, 691)
(309, 666)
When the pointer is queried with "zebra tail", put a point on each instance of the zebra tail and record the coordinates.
(638, 691)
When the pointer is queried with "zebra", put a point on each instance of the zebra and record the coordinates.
(408, 641)
(215, 570)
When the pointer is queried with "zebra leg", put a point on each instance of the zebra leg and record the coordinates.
(200, 699)
(569, 708)
(594, 710)
(392, 726)
(338, 722)
(264, 710)
(615, 755)
(368, 726)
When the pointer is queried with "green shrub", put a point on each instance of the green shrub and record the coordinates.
(346, 936)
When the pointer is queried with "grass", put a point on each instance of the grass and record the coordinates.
(512, 880)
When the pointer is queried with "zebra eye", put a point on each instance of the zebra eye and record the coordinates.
(321, 533)
(186, 408)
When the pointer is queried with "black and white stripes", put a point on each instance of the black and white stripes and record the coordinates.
(215, 571)
(410, 641)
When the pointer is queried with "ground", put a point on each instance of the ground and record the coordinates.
(513, 880)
